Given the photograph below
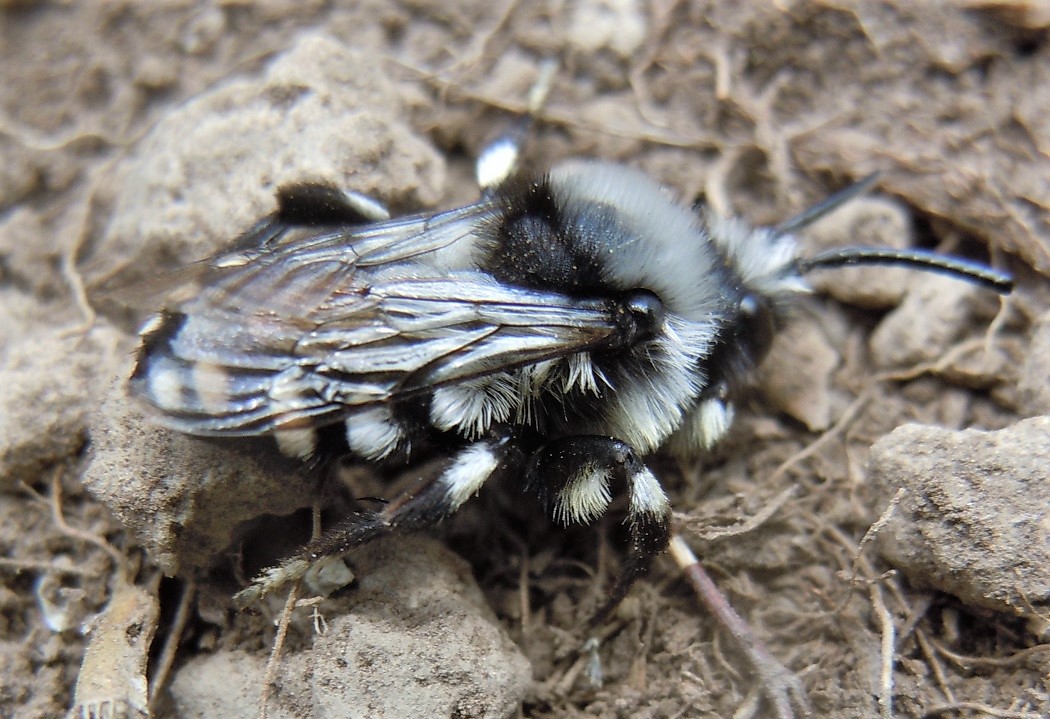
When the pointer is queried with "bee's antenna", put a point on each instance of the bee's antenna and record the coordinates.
(974, 272)
(812, 214)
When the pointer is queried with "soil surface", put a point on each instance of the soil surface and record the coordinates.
(136, 138)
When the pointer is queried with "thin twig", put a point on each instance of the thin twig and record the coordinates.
(873, 530)
(523, 596)
(171, 642)
(553, 117)
(780, 687)
(969, 662)
(274, 659)
(752, 523)
(284, 622)
(38, 565)
(74, 280)
(57, 515)
(935, 666)
(887, 652)
(481, 40)
(978, 707)
(844, 421)
(562, 687)
(913, 617)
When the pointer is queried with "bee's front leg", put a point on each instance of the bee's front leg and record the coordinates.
(572, 476)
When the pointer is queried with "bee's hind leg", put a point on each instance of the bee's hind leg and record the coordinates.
(436, 498)
(307, 204)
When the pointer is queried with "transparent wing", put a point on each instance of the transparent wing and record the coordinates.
(304, 331)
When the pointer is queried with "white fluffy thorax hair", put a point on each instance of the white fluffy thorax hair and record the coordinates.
(659, 245)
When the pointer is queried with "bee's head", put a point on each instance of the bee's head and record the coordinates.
(766, 275)
(767, 260)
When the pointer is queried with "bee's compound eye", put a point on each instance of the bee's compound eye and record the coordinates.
(756, 325)
(643, 315)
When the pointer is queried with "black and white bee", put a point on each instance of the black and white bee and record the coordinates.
(556, 331)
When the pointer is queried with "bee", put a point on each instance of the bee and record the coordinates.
(558, 330)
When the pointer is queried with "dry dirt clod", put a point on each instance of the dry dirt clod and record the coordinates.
(874, 221)
(806, 396)
(974, 519)
(1034, 382)
(935, 311)
(182, 498)
(321, 112)
(47, 397)
(414, 639)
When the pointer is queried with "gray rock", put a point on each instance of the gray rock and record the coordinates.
(936, 311)
(804, 394)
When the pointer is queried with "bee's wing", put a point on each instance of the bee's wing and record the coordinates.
(304, 334)
(273, 241)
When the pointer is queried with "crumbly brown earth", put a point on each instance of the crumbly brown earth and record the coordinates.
(134, 139)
